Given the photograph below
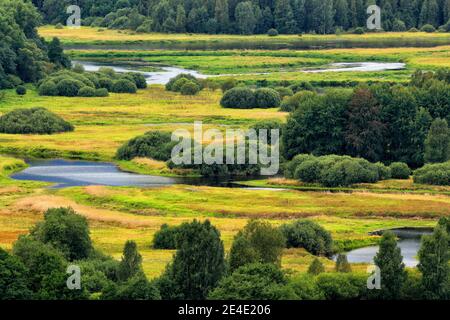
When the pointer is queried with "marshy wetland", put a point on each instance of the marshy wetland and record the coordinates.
(130, 199)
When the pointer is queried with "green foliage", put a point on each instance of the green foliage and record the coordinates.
(239, 98)
(267, 98)
(342, 264)
(309, 235)
(189, 88)
(228, 84)
(175, 84)
(305, 287)
(254, 282)
(428, 28)
(359, 30)
(131, 263)
(102, 92)
(400, 170)
(434, 174)
(284, 92)
(316, 267)
(21, 90)
(65, 230)
(33, 121)
(56, 54)
(69, 87)
(342, 286)
(437, 143)
(124, 86)
(86, 92)
(165, 238)
(13, 278)
(272, 32)
(334, 171)
(48, 88)
(434, 258)
(258, 242)
(48, 277)
(198, 264)
(392, 269)
(135, 288)
(154, 144)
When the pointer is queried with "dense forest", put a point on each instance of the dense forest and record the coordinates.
(248, 16)
(24, 56)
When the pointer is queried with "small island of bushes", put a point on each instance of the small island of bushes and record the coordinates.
(33, 121)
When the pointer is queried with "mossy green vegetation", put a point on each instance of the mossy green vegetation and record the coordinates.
(33, 121)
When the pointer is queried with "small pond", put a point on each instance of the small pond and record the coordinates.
(65, 173)
(409, 244)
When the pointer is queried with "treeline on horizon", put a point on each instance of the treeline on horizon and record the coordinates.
(248, 16)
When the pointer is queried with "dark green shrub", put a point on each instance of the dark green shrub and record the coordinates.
(297, 100)
(334, 171)
(21, 90)
(189, 89)
(272, 32)
(428, 28)
(102, 92)
(154, 144)
(124, 86)
(398, 26)
(359, 30)
(316, 267)
(86, 92)
(413, 30)
(258, 242)
(384, 173)
(284, 92)
(179, 83)
(48, 88)
(342, 286)
(400, 170)
(309, 235)
(228, 84)
(239, 98)
(33, 121)
(254, 282)
(291, 166)
(106, 83)
(308, 171)
(267, 98)
(170, 84)
(434, 174)
(165, 238)
(65, 230)
(69, 87)
(139, 79)
(268, 125)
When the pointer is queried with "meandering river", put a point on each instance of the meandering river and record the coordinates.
(168, 72)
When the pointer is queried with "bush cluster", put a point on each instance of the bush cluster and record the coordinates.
(90, 84)
(245, 98)
(184, 83)
(154, 144)
(166, 237)
(308, 235)
(33, 121)
(335, 171)
(434, 174)
(400, 170)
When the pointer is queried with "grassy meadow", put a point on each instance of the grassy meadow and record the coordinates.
(117, 214)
